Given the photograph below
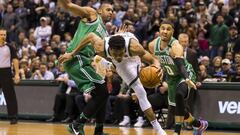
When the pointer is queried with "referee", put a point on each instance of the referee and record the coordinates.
(7, 57)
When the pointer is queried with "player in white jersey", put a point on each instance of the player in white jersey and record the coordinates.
(126, 54)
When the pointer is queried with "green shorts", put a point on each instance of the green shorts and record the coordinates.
(84, 76)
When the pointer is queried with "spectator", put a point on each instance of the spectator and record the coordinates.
(11, 23)
(202, 11)
(41, 50)
(60, 25)
(218, 37)
(42, 73)
(64, 104)
(159, 99)
(189, 54)
(236, 61)
(44, 31)
(202, 73)
(189, 13)
(205, 61)
(22, 13)
(231, 45)
(216, 66)
(113, 85)
(24, 70)
(25, 46)
(229, 55)
(236, 77)
(227, 71)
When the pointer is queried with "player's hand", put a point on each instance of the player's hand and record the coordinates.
(123, 28)
(16, 79)
(191, 84)
(198, 84)
(159, 70)
(65, 57)
(87, 97)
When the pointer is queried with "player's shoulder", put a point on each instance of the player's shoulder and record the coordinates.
(152, 44)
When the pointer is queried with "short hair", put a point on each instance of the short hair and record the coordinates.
(116, 42)
(183, 35)
(166, 21)
(104, 4)
(1, 28)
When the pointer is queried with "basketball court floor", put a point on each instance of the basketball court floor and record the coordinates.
(30, 128)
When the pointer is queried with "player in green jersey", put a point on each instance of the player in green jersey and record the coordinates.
(79, 67)
(180, 76)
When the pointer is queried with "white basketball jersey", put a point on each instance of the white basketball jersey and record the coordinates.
(128, 68)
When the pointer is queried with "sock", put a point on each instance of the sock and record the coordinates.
(196, 123)
(189, 118)
(156, 125)
(98, 128)
(177, 129)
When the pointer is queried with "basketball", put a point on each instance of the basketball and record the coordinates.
(149, 77)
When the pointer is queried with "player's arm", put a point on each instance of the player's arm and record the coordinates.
(83, 12)
(136, 49)
(92, 38)
(177, 54)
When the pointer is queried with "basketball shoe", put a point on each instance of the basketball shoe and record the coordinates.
(199, 130)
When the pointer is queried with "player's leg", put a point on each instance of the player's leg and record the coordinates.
(182, 114)
(146, 106)
(95, 104)
(181, 93)
(101, 90)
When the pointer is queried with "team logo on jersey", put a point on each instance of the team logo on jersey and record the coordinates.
(101, 31)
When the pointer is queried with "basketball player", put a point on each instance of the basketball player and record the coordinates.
(180, 76)
(80, 69)
(125, 52)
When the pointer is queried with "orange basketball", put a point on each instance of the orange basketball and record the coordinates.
(149, 77)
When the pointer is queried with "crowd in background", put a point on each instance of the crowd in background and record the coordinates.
(40, 31)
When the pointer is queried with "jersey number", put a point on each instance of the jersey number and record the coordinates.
(169, 70)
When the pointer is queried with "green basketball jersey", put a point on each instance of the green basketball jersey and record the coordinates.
(83, 29)
(167, 61)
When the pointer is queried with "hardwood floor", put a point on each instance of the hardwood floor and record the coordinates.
(32, 128)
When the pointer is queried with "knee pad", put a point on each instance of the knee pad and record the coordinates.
(141, 95)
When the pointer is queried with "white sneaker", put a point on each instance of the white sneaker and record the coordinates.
(139, 122)
(125, 122)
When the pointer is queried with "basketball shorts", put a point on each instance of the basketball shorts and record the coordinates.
(84, 77)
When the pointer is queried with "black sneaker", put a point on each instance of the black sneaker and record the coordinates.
(67, 120)
(13, 121)
(52, 119)
(76, 128)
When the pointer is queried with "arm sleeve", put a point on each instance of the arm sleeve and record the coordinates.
(180, 64)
